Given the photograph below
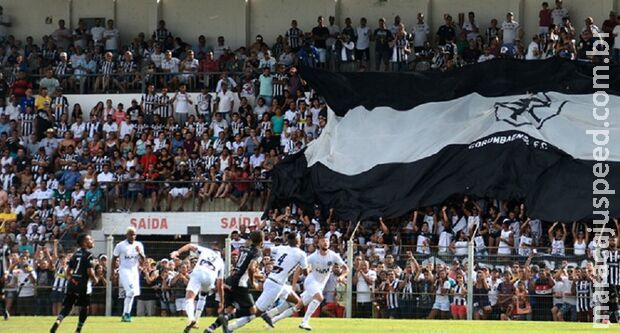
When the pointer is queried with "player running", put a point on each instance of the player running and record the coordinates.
(238, 301)
(207, 275)
(81, 275)
(287, 259)
(131, 254)
(321, 263)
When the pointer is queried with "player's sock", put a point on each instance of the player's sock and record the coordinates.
(278, 309)
(241, 322)
(82, 318)
(128, 305)
(285, 314)
(190, 308)
(310, 310)
(200, 306)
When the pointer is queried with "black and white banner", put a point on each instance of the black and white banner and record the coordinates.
(376, 159)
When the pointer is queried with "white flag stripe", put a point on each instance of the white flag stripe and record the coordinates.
(363, 139)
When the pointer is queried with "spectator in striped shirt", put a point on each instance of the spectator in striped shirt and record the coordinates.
(107, 69)
(130, 77)
(294, 36)
(400, 50)
(161, 33)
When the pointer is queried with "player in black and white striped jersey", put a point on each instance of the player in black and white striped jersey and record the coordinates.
(583, 291)
(393, 286)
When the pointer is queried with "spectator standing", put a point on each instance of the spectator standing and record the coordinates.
(161, 33)
(616, 35)
(510, 33)
(382, 38)
(608, 28)
(446, 32)
(226, 101)
(294, 36)
(420, 33)
(362, 44)
(364, 280)
(559, 13)
(62, 36)
(334, 31)
(97, 32)
(320, 34)
(544, 19)
(111, 36)
(183, 104)
(471, 27)
(400, 51)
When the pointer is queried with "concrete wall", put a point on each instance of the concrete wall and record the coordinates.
(271, 18)
(191, 18)
(240, 21)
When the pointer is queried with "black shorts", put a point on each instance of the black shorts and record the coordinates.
(78, 299)
(362, 54)
(239, 298)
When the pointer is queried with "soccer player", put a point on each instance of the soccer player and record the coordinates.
(131, 253)
(287, 259)
(81, 275)
(321, 263)
(207, 274)
(237, 298)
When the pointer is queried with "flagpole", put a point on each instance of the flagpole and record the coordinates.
(350, 244)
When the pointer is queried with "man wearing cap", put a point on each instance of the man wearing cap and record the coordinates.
(49, 142)
(510, 33)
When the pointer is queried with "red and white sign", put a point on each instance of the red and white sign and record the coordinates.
(159, 223)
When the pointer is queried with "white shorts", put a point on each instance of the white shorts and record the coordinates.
(442, 305)
(311, 288)
(271, 292)
(200, 281)
(180, 304)
(130, 281)
(179, 192)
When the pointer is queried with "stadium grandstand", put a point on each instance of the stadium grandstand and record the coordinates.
(205, 121)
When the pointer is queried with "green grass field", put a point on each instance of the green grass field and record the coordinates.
(320, 325)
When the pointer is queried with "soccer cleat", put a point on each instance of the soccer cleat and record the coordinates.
(267, 319)
(6, 315)
(208, 330)
(305, 326)
(54, 327)
(126, 318)
(189, 327)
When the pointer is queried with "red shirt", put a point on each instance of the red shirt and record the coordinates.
(207, 65)
(147, 160)
(243, 185)
(119, 116)
(544, 18)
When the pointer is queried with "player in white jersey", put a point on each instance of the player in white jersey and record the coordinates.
(131, 253)
(286, 261)
(207, 275)
(321, 263)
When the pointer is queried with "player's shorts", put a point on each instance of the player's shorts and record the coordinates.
(239, 298)
(441, 305)
(200, 281)
(311, 288)
(130, 281)
(78, 299)
(271, 292)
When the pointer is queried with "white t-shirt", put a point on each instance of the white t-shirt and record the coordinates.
(510, 30)
(237, 244)
(28, 289)
(420, 34)
(567, 286)
(616, 32)
(470, 27)
(129, 257)
(445, 297)
(182, 103)
(531, 50)
(171, 65)
(286, 259)
(557, 14)
(111, 42)
(97, 33)
(363, 289)
(226, 101)
(322, 265)
(363, 38)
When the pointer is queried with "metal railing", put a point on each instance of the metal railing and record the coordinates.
(192, 195)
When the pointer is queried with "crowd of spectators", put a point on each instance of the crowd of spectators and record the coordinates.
(62, 165)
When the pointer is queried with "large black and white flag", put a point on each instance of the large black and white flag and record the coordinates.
(504, 129)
